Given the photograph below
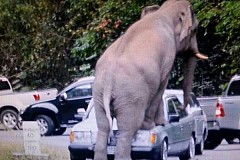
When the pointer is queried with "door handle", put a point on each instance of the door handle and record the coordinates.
(181, 127)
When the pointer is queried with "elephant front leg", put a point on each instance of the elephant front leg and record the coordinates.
(159, 116)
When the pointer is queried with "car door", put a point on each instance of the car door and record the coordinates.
(186, 123)
(77, 97)
(176, 129)
(199, 116)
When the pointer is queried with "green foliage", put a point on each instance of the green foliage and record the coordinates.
(111, 21)
(219, 39)
(50, 43)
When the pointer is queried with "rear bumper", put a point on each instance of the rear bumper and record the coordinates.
(79, 151)
(213, 125)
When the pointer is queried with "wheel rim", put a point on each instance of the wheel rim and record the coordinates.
(9, 120)
(165, 150)
(192, 148)
(42, 125)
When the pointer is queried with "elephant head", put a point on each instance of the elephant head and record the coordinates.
(185, 29)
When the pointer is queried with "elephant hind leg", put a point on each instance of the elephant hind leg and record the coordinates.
(129, 122)
(100, 152)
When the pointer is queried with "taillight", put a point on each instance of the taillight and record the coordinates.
(36, 97)
(219, 110)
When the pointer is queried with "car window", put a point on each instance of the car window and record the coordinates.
(182, 112)
(80, 91)
(4, 85)
(234, 89)
(171, 108)
(194, 100)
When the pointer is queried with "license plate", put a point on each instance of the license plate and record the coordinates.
(111, 149)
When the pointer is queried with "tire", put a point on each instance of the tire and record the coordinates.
(199, 148)
(190, 153)
(78, 158)
(9, 118)
(46, 125)
(60, 131)
(162, 152)
(212, 141)
(232, 140)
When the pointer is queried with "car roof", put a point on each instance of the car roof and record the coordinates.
(79, 81)
(235, 77)
(3, 78)
(173, 91)
(86, 79)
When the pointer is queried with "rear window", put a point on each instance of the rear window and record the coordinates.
(4, 85)
(234, 89)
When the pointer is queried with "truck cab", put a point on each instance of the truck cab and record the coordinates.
(5, 86)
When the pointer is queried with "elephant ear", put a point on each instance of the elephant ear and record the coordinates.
(187, 23)
(149, 9)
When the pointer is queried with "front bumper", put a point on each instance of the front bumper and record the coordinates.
(87, 151)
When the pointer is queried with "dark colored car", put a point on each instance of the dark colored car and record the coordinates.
(54, 116)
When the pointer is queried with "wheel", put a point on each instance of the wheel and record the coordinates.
(199, 148)
(232, 140)
(9, 118)
(76, 158)
(162, 152)
(190, 153)
(60, 131)
(212, 141)
(46, 125)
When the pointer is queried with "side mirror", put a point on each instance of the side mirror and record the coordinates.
(81, 114)
(63, 97)
(173, 118)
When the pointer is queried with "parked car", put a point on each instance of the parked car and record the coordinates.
(200, 119)
(56, 115)
(12, 102)
(223, 114)
(176, 138)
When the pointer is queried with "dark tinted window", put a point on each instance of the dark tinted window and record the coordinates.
(171, 108)
(80, 91)
(4, 85)
(234, 89)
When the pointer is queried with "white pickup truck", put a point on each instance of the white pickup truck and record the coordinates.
(12, 102)
(223, 114)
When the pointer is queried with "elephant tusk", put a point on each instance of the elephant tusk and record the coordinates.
(201, 56)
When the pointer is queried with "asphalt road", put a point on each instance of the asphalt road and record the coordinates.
(222, 152)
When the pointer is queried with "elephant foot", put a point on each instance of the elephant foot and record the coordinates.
(160, 121)
(148, 125)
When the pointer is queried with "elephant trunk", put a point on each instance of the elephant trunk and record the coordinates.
(188, 72)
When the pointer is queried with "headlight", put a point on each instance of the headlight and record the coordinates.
(82, 137)
(145, 138)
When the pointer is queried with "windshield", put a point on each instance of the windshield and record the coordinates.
(234, 89)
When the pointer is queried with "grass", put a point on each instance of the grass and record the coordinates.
(55, 153)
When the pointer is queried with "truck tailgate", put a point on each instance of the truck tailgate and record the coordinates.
(231, 106)
(208, 104)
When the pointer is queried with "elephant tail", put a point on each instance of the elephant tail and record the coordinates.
(106, 103)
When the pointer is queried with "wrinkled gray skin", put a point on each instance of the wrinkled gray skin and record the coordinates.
(133, 72)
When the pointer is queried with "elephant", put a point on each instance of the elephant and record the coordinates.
(133, 72)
